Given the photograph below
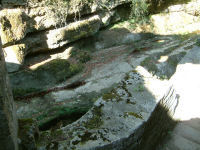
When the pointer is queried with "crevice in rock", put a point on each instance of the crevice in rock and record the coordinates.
(62, 120)
(71, 86)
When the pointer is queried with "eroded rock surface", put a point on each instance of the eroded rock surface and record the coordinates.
(38, 29)
(122, 84)
(101, 92)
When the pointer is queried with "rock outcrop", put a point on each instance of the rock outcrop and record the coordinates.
(186, 16)
(8, 118)
(115, 101)
(34, 28)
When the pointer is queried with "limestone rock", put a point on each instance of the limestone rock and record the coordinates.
(59, 37)
(191, 8)
(16, 23)
(14, 56)
(72, 32)
(164, 23)
(13, 25)
(8, 119)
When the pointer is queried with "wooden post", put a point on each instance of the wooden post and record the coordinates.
(8, 119)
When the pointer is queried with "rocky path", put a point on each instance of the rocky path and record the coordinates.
(186, 135)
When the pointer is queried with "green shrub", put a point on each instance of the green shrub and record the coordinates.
(139, 11)
(84, 57)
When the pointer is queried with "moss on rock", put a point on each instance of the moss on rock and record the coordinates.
(49, 74)
(96, 120)
(57, 117)
(28, 134)
(13, 26)
(136, 115)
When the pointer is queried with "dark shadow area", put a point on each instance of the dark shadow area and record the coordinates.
(65, 117)
(185, 131)
(44, 77)
(160, 123)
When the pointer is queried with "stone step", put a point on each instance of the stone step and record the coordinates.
(194, 123)
(178, 142)
(188, 132)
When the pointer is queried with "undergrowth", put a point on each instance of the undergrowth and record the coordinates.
(139, 11)
(61, 9)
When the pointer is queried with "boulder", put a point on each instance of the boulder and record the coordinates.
(14, 56)
(17, 22)
(185, 23)
(53, 39)
(59, 37)
(13, 25)
(38, 28)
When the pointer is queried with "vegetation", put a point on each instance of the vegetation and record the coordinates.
(139, 116)
(139, 11)
(96, 120)
(82, 56)
(61, 9)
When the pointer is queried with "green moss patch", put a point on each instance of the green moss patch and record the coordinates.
(136, 115)
(28, 133)
(111, 95)
(86, 137)
(44, 77)
(84, 57)
(60, 69)
(96, 120)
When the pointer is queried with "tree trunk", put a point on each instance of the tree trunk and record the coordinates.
(8, 119)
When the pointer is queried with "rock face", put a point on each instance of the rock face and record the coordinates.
(116, 102)
(37, 29)
(186, 16)
(8, 126)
